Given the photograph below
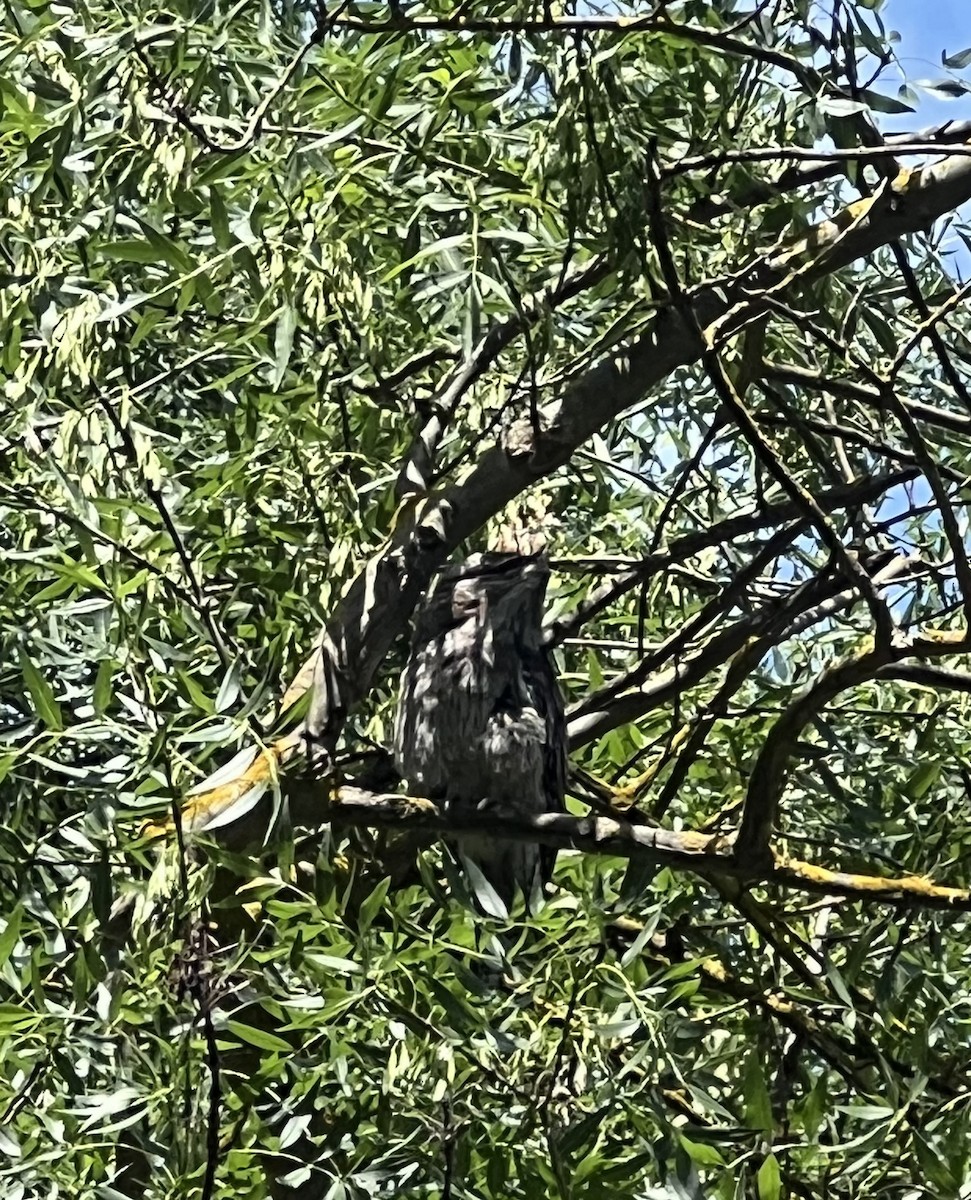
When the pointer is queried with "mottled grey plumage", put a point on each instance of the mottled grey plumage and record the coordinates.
(480, 717)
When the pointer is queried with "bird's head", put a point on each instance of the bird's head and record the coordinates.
(509, 587)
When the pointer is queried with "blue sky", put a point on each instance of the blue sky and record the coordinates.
(927, 28)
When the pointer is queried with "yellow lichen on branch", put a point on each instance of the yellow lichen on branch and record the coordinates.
(903, 887)
(228, 788)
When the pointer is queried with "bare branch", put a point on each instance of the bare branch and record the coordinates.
(630, 696)
(734, 406)
(814, 156)
(802, 377)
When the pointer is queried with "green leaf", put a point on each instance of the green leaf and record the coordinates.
(835, 977)
(229, 690)
(957, 61)
(219, 218)
(283, 344)
(133, 250)
(758, 1105)
(76, 574)
(372, 905)
(701, 1153)
(486, 895)
(944, 89)
(194, 693)
(258, 1037)
(885, 104)
(920, 781)
(331, 962)
(769, 1179)
(41, 694)
(441, 246)
(11, 932)
(15, 1016)
(103, 686)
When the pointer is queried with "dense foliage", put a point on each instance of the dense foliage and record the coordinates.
(249, 253)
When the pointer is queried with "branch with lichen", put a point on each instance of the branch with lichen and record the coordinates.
(709, 855)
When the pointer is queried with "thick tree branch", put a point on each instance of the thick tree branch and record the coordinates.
(710, 856)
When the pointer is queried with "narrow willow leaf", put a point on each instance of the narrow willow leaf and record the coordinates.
(41, 693)
(283, 344)
(258, 1037)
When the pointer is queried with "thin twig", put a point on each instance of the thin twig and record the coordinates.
(764, 452)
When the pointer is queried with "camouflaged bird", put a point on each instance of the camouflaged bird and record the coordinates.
(480, 721)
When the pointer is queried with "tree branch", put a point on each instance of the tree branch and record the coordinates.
(711, 856)
(629, 696)
(375, 609)
(864, 491)
(769, 774)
